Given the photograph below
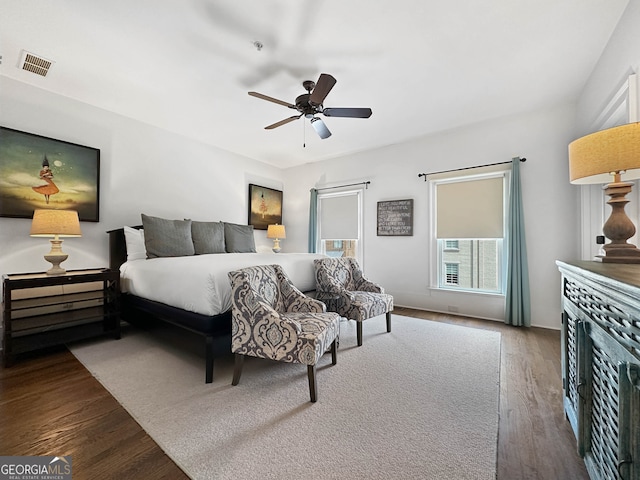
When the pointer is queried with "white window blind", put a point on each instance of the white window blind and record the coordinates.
(471, 208)
(339, 217)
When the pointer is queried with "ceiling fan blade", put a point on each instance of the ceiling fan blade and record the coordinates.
(282, 122)
(271, 99)
(320, 128)
(347, 112)
(323, 86)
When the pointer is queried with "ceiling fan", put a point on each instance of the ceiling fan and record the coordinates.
(310, 104)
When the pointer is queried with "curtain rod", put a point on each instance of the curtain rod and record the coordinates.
(366, 186)
(464, 168)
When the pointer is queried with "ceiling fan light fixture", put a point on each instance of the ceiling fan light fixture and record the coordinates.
(310, 104)
(320, 128)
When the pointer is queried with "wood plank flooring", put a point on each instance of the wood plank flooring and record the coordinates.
(51, 405)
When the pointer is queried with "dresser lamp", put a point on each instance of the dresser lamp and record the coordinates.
(56, 224)
(600, 157)
(276, 232)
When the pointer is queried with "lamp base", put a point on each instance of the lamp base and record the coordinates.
(626, 253)
(619, 228)
(55, 257)
(276, 245)
(55, 261)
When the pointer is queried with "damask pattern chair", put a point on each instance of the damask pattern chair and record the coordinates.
(342, 286)
(272, 319)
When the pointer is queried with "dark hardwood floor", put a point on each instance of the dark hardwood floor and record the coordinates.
(51, 405)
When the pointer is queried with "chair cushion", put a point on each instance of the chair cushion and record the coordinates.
(365, 305)
(280, 340)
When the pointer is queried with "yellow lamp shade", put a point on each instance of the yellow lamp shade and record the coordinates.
(49, 223)
(595, 157)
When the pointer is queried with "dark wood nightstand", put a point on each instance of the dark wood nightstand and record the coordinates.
(42, 310)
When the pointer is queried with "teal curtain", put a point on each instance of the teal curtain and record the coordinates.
(313, 220)
(518, 301)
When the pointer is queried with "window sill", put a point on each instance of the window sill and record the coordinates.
(458, 291)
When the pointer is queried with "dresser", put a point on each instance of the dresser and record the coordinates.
(601, 365)
(40, 310)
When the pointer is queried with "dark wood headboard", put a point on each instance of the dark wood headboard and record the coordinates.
(118, 247)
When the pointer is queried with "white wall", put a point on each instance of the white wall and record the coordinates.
(597, 102)
(620, 58)
(401, 264)
(143, 170)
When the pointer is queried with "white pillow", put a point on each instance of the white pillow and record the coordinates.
(134, 239)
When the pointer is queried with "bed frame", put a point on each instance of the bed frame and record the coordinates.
(215, 329)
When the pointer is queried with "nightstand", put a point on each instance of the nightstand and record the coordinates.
(41, 310)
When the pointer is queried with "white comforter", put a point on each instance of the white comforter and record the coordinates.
(200, 284)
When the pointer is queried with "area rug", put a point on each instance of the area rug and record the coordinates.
(420, 402)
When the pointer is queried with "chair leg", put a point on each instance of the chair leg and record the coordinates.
(388, 321)
(359, 332)
(237, 370)
(311, 372)
(334, 352)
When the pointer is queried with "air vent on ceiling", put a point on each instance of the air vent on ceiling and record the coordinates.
(35, 64)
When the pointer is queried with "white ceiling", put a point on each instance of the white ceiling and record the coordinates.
(421, 65)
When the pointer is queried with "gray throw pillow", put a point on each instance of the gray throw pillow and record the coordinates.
(208, 237)
(239, 238)
(167, 238)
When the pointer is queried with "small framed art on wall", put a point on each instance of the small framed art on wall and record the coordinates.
(265, 206)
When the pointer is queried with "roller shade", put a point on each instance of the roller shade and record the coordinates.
(470, 208)
(339, 217)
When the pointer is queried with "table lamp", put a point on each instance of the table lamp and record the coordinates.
(276, 232)
(56, 224)
(598, 157)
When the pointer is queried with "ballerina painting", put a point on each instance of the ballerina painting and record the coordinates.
(40, 172)
(49, 188)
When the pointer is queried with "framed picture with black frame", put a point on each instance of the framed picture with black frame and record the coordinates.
(395, 218)
(265, 206)
(39, 172)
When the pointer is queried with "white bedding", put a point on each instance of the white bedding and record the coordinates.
(199, 283)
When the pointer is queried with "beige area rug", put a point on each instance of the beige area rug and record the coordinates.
(420, 402)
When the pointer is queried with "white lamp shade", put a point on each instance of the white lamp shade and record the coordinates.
(49, 223)
(276, 231)
(593, 158)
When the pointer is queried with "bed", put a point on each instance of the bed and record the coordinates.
(192, 291)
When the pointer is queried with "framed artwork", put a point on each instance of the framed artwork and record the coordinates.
(395, 218)
(41, 172)
(265, 206)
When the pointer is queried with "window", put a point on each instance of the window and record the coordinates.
(340, 224)
(451, 245)
(452, 271)
(468, 218)
(475, 265)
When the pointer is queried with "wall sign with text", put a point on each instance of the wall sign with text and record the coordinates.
(395, 218)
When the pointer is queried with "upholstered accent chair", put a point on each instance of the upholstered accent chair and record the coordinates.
(271, 318)
(342, 286)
